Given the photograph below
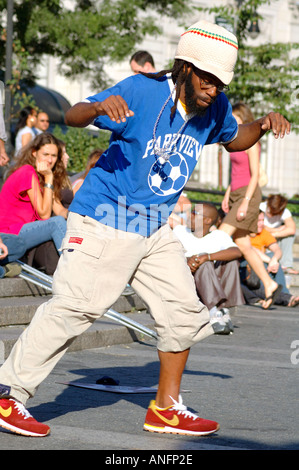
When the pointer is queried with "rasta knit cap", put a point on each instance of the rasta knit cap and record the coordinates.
(210, 48)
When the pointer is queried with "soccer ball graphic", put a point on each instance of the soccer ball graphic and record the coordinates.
(169, 178)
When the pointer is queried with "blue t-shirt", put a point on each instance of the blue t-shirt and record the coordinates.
(129, 189)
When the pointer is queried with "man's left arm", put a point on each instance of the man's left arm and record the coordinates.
(249, 134)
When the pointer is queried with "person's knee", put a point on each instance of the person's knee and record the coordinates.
(15, 245)
(58, 221)
(244, 245)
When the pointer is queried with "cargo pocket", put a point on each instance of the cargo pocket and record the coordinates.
(76, 273)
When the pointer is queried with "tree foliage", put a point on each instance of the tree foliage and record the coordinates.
(84, 38)
(80, 143)
(266, 76)
(93, 33)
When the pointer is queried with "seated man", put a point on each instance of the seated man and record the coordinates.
(212, 257)
(269, 250)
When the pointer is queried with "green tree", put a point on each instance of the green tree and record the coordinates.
(266, 76)
(84, 37)
(87, 36)
(79, 144)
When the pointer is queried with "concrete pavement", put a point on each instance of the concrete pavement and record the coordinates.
(247, 381)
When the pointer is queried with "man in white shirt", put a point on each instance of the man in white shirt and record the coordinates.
(212, 257)
(42, 122)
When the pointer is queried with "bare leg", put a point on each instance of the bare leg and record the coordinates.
(242, 239)
(172, 366)
(257, 265)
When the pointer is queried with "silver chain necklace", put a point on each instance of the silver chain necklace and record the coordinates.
(162, 155)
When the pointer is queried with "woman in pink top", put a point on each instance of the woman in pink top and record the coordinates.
(241, 204)
(31, 193)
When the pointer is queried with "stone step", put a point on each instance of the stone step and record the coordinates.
(17, 287)
(292, 280)
(294, 290)
(103, 332)
(296, 249)
(20, 310)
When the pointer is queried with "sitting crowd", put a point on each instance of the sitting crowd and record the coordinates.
(222, 276)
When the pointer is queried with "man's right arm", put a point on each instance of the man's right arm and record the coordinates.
(82, 114)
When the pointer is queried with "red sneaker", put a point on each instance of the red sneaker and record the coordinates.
(176, 419)
(15, 418)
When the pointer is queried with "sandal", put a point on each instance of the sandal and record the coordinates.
(293, 301)
(273, 296)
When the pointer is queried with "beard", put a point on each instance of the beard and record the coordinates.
(190, 100)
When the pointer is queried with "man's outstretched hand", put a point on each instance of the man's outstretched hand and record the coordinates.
(277, 123)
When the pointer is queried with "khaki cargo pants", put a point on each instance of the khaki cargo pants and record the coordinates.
(96, 264)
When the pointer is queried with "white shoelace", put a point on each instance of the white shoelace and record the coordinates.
(21, 409)
(182, 409)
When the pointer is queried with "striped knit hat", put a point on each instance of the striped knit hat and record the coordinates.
(211, 48)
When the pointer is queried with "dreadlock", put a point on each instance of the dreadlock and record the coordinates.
(178, 74)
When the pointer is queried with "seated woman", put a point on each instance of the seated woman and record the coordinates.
(31, 193)
(25, 128)
(45, 257)
(280, 223)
